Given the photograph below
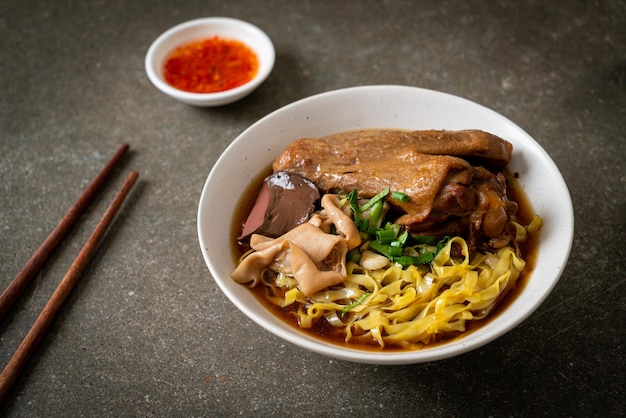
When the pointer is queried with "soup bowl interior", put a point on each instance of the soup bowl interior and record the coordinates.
(397, 107)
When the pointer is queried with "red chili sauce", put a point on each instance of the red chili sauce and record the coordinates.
(211, 65)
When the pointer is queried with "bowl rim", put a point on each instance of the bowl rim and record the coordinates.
(471, 341)
(265, 68)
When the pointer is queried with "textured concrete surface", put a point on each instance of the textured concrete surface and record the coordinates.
(146, 332)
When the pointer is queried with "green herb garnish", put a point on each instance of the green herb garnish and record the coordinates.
(354, 255)
(400, 196)
(385, 236)
(391, 240)
(356, 303)
(378, 198)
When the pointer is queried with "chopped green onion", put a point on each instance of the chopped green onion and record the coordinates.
(394, 227)
(372, 230)
(354, 255)
(376, 214)
(386, 250)
(395, 251)
(424, 239)
(442, 244)
(355, 304)
(354, 204)
(385, 236)
(352, 199)
(400, 196)
(381, 248)
(375, 199)
(408, 260)
(403, 237)
(390, 239)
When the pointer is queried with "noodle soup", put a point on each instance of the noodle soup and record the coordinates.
(401, 307)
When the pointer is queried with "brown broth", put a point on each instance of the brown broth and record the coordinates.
(326, 333)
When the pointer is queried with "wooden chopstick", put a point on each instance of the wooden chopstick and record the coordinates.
(23, 352)
(19, 283)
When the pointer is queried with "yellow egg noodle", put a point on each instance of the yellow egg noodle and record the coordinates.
(408, 307)
(405, 307)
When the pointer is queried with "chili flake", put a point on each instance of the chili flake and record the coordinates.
(211, 65)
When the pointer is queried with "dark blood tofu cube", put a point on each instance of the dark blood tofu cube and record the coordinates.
(285, 201)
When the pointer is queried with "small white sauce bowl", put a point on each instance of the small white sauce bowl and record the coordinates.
(204, 28)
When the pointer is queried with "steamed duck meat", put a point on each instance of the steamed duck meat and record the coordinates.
(452, 178)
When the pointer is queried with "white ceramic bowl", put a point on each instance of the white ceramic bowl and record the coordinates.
(382, 107)
(198, 29)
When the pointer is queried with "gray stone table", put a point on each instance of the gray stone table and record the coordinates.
(146, 331)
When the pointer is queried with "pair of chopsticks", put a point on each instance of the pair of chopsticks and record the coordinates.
(19, 283)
